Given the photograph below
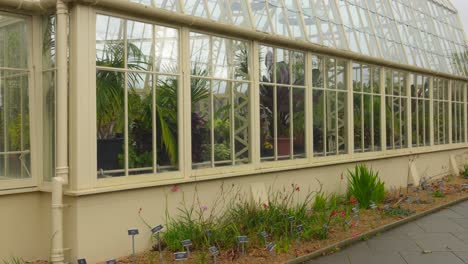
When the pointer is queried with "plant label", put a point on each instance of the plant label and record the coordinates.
(133, 232)
(81, 261)
(291, 218)
(300, 229)
(464, 186)
(208, 232)
(325, 226)
(157, 229)
(386, 207)
(180, 255)
(264, 234)
(271, 246)
(355, 210)
(408, 200)
(348, 222)
(356, 217)
(213, 251)
(186, 242)
(242, 239)
(111, 261)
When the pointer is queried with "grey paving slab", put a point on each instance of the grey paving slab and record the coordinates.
(463, 222)
(462, 255)
(438, 225)
(392, 245)
(378, 258)
(447, 213)
(461, 209)
(431, 258)
(337, 258)
(463, 236)
(438, 242)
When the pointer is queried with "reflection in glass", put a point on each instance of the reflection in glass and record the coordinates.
(14, 125)
(110, 103)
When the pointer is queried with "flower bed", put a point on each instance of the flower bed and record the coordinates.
(325, 221)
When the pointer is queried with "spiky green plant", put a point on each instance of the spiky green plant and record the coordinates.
(13, 260)
(465, 171)
(365, 185)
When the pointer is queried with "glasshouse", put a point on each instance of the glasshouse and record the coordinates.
(115, 113)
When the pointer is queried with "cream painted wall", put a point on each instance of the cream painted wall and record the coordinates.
(24, 225)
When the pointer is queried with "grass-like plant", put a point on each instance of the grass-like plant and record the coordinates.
(465, 171)
(438, 194)
(13, 260)
(365, 185)
(234, 213)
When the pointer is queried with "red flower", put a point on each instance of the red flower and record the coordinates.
(298, 189)
(334, 213)
(175, 188)
(343, 213)
(265, 205)
(353, 200)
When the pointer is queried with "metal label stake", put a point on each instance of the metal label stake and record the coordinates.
(180, 256)
(264, 235)
(271, 248)
(82, 261)
(214, 252)
(291, 221)
(187, 243)
(242, 240)
(157, 230)
(299, 230)
(133, 232)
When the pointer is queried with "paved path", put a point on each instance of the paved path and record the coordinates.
(444, 235)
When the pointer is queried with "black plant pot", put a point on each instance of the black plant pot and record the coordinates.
(108, 151)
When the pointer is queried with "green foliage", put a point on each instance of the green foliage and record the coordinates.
(398, 211)
(438, 194)
(365, 185)
(234, 213)
(465, 171)
(320, 202)
(13, 260)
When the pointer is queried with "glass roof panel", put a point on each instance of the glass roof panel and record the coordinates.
(424, 33)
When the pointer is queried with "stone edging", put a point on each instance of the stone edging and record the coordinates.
(371, 233)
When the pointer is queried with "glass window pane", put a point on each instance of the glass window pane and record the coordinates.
(13, 42)
(110, 45)
(140, 123)
(201, 122)
(166, 50)
(299, 122)
(110, 103)
(166, 123)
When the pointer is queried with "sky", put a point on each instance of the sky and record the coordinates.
(462, 7)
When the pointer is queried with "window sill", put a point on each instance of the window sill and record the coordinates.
(19, 191)
(147, 181)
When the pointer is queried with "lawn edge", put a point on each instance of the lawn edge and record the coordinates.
(350, 241)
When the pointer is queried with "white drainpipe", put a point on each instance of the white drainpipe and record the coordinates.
(61, 171)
